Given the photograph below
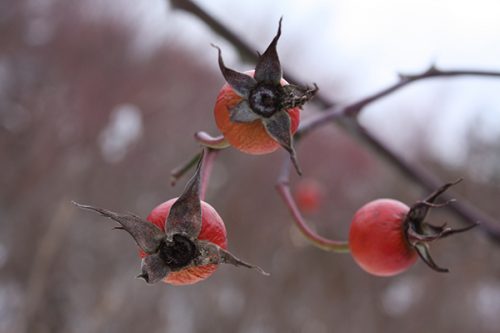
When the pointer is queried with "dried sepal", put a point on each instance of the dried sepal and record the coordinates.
(241, 83)
(210, 253)
(241, 113)
(268, 67)
(185, 214)
(153, 268)
(420, 233)
(297, 96)
(419, 211)
(147, 236)
(431, 232)
(423, 252)
(279, 128)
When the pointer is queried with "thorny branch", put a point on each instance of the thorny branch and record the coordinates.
(346, 117)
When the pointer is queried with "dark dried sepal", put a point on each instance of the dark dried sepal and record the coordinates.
(211, 253)
(423, 251)
(279, 128)
(419, 211)
(429, 232)
(420, 233)
(296, 96)
(153, 269)
(147, 236)
(242, 113)
(241, 83)
(268, 67)
(185, 214)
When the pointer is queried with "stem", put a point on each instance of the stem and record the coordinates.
(206, 170)
(179, 171)
(283, 188)
(205, 139)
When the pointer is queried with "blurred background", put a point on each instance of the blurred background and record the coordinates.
(99, 101)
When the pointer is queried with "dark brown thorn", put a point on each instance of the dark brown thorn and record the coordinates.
(185, 214)
(268, 67)
(147, 236)
(241, 83)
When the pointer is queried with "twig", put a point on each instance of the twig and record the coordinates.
(179, 171)
(351, 125)
(283, 187)
(352, 110)
(206, 170)
(211, 143)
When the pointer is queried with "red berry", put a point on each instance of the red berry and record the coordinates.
(258, 111)
(377, 238)
(212, 229)
(309, 195)
(251, 138)
(386, 235)
(183, 239)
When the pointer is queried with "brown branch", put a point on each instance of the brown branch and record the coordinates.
(352, 110)
(350, 124)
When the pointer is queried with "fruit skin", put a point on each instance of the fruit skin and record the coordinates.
(250, 138)
(212, 229)
(377, 238)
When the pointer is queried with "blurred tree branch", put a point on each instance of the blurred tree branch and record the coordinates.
(346, 117)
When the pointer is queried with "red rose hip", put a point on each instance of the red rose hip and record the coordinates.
(183, 239)
(386, 236)
(377, 238)
(212, 230)
(258, 111)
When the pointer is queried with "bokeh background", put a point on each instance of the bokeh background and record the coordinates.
(99, 101)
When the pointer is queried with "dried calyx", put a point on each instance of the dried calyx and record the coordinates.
(179, 247)
(265, 99)
(420, 233)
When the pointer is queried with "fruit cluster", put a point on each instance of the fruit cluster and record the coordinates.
(184, 239)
